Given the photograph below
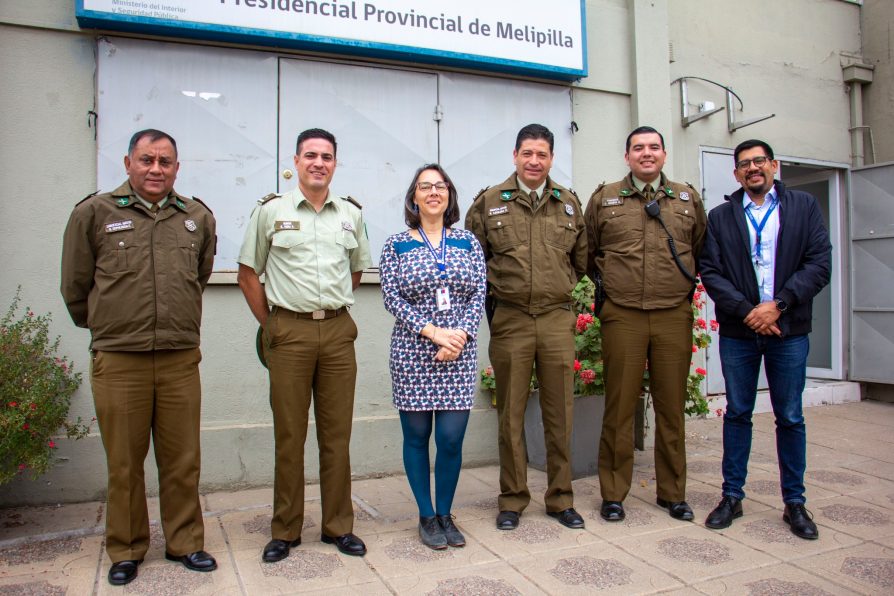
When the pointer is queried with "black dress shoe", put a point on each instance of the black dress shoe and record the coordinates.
(568, 518)
(612, 511)
(277, 550)
(723, 515)
(507, 520)
(123, 572)
(348, 544)
(677, 509)
(800, 520)
(197, 561)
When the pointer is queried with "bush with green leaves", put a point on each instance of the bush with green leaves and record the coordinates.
(588, 366)
(36, 385)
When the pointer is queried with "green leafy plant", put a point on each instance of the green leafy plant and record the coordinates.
(36, 386)
(588, 366)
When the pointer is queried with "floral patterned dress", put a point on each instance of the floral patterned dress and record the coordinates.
(410, 278)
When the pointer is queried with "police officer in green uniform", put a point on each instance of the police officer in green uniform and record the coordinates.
(312, 248)
(533, 235)
(647, 315)
(134, 264)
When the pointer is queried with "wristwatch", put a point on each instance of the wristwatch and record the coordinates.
(781, 305)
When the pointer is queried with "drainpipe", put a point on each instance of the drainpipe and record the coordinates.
(857, 75)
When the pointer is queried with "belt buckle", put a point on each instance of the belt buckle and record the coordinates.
(318, 315)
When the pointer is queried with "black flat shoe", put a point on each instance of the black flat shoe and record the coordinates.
(277, 550)
(197, 561)
(348, 544)
(723, 515)
(568, 518)
(800, 521)
(123, 572)
(677, 509)
(612, 511)
(507, 520)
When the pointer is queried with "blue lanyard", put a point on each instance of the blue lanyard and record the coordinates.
(442, 261)
(759, 228)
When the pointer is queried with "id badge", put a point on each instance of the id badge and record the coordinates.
(442, 296)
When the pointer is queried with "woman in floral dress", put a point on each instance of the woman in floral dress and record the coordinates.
(433, 282)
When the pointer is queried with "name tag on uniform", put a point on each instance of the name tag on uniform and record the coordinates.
(119, 226)
(442, 295)
(347, 226)
(497, 210)
(612, 201)
(286, 225)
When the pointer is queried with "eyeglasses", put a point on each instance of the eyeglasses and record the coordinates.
(757, 161)
(426, 186)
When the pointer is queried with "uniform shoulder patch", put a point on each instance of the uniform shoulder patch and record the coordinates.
(352, 201)
(202, 203)
(268, 198)
(92, 194)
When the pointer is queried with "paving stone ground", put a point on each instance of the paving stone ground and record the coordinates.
(850, 490)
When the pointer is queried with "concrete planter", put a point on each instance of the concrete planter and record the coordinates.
(588, 412)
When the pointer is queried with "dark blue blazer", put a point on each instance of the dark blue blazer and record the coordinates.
(803, 262)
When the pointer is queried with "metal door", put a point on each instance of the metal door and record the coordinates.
(383, 121)
(872, 274)
(481, 119)
(826, 357)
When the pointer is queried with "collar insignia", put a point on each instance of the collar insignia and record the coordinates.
(625, 192)
(123, 201)
(506, 195)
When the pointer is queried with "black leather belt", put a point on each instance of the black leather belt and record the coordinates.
(317, 315)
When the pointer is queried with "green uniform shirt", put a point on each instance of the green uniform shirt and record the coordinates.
(308, 257)
(534, 258)
(133, 277)
(630, 249)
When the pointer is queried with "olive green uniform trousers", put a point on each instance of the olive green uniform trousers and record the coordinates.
(519, 341)
(630, 336)
(311, 358)
(135, 394)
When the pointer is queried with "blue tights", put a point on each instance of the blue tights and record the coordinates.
(450, 429)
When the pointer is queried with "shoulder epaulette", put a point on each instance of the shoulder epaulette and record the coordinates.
(480, 192)
(689, 184)
(92, 194)
(352, 201)
(572, 191)
(268, 198)
(202, 203)
(600, 187)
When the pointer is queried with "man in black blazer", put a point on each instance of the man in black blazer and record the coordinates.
(767, 254)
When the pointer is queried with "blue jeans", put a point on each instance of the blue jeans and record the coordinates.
(785, 363)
